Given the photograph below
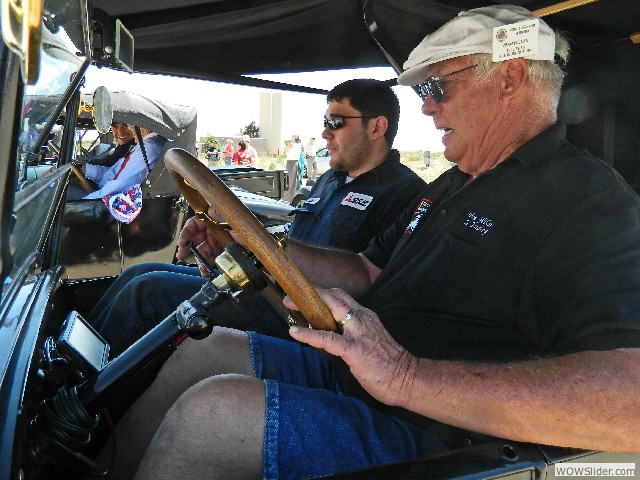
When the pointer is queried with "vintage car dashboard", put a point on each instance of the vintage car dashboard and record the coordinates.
(66, 392)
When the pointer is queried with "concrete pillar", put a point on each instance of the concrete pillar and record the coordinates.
(271, 120)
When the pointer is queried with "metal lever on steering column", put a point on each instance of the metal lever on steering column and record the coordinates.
(238, 274)
(201, 259)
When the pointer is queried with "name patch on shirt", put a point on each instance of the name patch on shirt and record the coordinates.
(478, 223)
(357, 200)
(418, 213)
(312, 201)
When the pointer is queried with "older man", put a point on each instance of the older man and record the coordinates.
(505, 302)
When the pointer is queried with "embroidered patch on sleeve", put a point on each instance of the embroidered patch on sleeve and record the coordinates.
(418, 213)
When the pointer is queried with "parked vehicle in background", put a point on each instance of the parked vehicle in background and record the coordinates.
(322, 159)
(93, 243)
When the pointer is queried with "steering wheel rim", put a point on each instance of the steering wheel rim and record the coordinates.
(76, 171)
(201, 187)
(82, 179)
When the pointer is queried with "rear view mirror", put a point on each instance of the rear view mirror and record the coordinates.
(124, 47)
(102, 110)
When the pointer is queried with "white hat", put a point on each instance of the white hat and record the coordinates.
(246, 138)
(472, 32)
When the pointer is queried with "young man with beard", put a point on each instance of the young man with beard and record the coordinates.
(363, 193)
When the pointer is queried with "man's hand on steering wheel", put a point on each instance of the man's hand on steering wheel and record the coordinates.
(196, 231)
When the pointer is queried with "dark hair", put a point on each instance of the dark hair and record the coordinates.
(242, 144)
(371, 98)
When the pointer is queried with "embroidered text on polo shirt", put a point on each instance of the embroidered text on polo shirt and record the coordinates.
(418, 213)
(479, 223)
(357, 200)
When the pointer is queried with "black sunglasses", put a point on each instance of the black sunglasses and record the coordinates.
(334, 122)
(432, 87)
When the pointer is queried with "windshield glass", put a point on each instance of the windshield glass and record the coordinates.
(57, 67)
(37, 200)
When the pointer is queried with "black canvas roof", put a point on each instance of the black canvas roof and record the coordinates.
(224, 39)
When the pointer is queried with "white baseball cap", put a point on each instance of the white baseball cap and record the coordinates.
(468, 33)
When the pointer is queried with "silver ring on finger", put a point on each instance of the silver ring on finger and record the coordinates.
(345, 319)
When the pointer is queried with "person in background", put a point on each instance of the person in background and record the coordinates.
(310, 159)
(128, 171)
(228, 152)
(293, 150)
(504, 303)
(125, 142)
(251, 153)
(124, 139)
(240, 155)
(213, 154)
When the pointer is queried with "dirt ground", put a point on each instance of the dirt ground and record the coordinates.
(437, 164)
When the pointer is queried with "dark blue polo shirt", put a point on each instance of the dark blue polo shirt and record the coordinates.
(347, 215)
(537, 257)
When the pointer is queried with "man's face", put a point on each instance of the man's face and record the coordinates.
(349, 146)
(470, 115)
(121, 133)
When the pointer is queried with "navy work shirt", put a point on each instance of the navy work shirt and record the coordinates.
(347, 215)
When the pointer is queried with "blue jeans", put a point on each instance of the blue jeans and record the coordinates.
(312, 429)
(145, 294)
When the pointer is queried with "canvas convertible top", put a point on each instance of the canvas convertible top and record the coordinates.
(167, 119)
(224, 40)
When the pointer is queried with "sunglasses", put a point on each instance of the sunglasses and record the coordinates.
(431, 86)
(334, 122)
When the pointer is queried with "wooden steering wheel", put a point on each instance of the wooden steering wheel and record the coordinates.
(76, 171)
(202, 188)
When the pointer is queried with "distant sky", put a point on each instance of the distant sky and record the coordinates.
(224, 109)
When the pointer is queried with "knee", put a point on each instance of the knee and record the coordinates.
(152, 280)
(137, 270)
(224, 351)
(220, 403)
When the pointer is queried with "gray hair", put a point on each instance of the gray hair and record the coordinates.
(546, 76)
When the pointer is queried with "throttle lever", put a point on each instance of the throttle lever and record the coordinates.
(196, 253)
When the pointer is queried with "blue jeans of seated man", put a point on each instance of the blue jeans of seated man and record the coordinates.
(145, 294)
(313, 429)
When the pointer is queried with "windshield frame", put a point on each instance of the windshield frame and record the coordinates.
(29, 211)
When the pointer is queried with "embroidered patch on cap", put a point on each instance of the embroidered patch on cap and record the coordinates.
(515, 40)
(357, 200)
